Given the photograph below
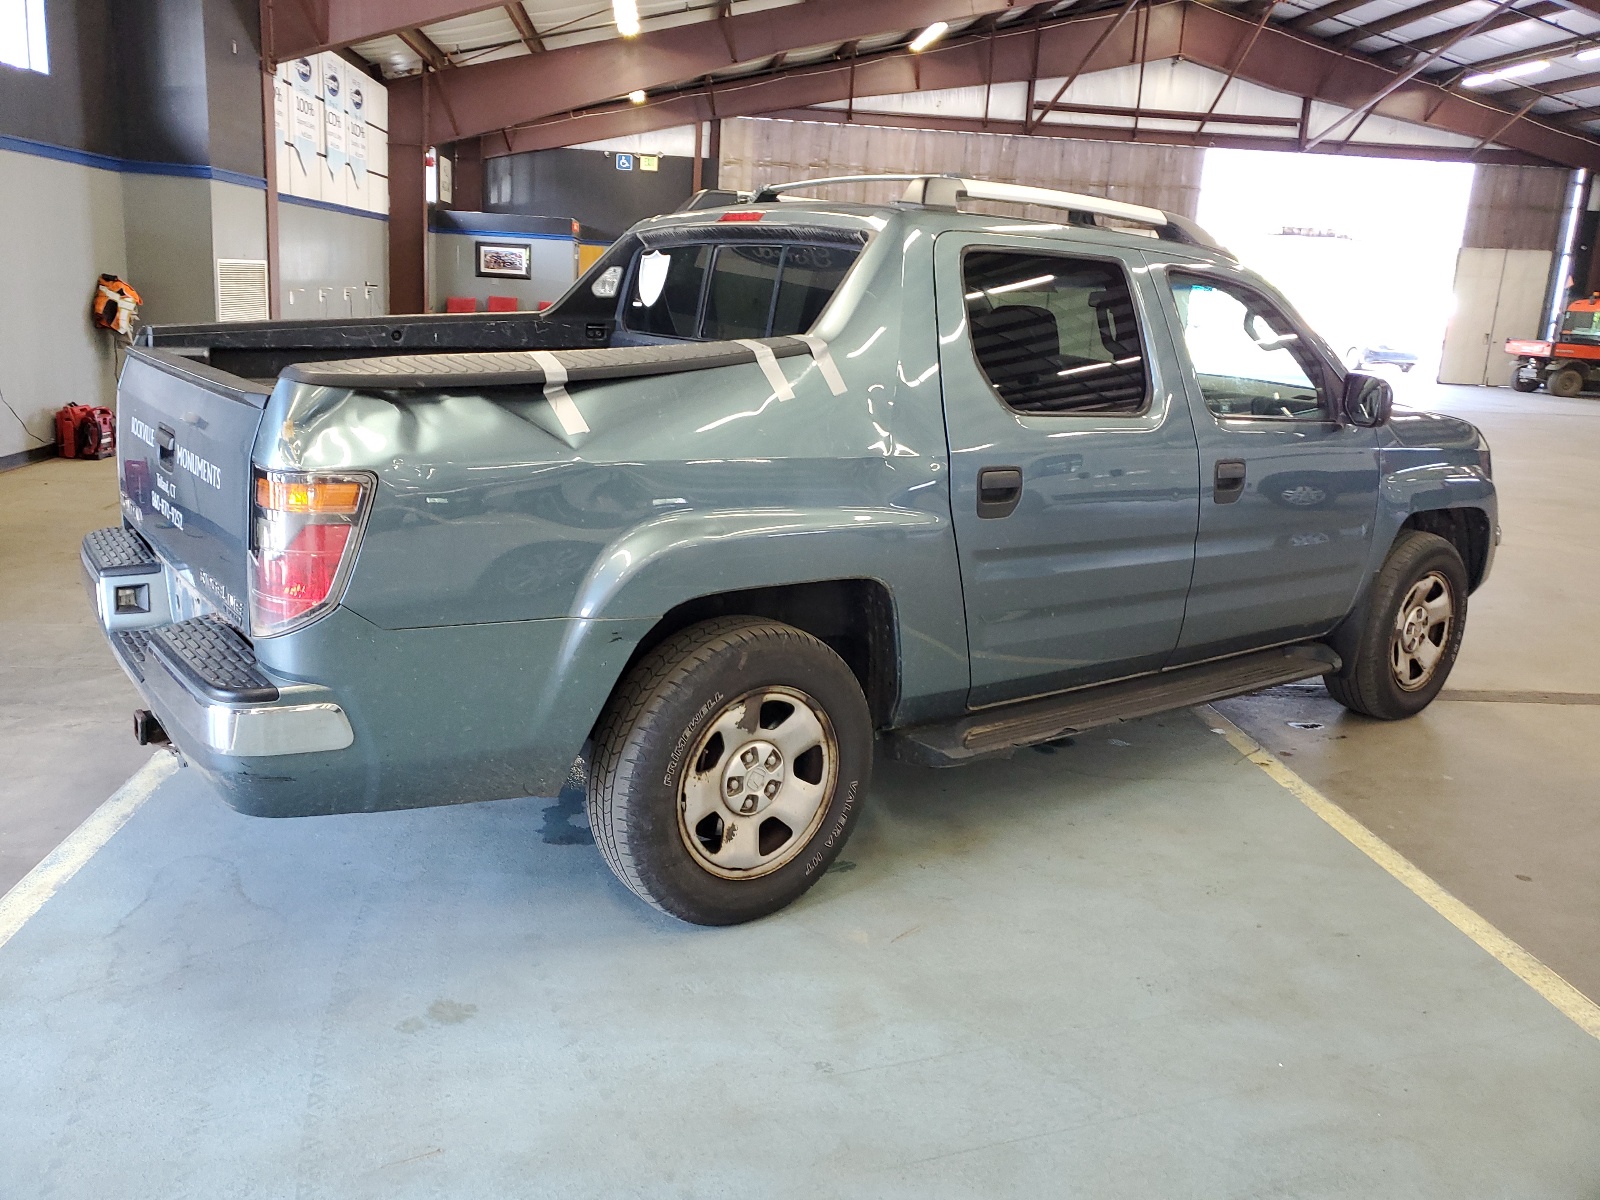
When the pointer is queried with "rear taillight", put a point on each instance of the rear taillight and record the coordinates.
(304, 534)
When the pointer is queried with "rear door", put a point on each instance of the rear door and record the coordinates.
(1074, 471)
(185, 436)
(1289, 495)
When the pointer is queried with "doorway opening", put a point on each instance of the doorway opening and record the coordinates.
(1365, 248)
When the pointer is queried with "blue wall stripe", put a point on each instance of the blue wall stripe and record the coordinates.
(127, 166)
(504, 234)
(329, 206)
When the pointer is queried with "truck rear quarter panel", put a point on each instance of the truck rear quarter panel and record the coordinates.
(509, 569)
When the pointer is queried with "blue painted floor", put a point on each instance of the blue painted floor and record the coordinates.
(1132, 967)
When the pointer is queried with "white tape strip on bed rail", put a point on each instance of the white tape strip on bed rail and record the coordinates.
(768, 362)
(555, 391)
(824, 361)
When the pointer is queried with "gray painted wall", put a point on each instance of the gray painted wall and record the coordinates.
(453, 264)
(60, 227)
(321, 254)
(166, 81)
(168, 223)
(77, 104)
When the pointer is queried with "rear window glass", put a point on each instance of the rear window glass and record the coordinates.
(733, 290)
(664, 297)
(811, 275)
(739, 300)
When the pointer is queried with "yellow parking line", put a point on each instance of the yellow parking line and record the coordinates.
(1581, 1010)
(67, 859)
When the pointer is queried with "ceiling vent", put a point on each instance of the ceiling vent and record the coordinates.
(242, 289)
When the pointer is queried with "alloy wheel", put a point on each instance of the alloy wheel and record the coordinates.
(1421, 631)
(758, 783)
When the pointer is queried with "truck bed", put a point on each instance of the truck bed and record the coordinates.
(259, 351)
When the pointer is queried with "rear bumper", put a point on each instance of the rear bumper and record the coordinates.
(410, 717)
(199, 676)
(230, 724)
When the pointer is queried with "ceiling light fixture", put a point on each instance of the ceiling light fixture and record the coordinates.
(636, 96)
(929, 36)
(1512, 72)
(626, 15)
(1591, 53)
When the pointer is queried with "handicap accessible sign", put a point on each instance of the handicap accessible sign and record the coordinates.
(624, 162)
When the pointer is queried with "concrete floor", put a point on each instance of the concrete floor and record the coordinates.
(65, 706)
(1131, 967)
(1495, 791)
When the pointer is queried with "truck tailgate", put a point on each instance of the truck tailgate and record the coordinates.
(185, 433)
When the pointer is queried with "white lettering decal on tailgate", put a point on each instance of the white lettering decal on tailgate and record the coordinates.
(142, 431)
(200, 468)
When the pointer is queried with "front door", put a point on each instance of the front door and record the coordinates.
(1074, 472)
(1289, 494)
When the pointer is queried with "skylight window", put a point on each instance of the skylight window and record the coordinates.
(22, 40)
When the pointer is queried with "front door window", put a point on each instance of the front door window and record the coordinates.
(1248, 359)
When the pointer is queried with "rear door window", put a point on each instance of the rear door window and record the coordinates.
(1054, 334)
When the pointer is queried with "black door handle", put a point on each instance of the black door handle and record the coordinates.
(1227, 484)
(999, 491)
(166, 446)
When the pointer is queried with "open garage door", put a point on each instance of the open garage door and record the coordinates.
(1363, 247)
(1499, 294)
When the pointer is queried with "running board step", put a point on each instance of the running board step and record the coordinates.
(1029, 722)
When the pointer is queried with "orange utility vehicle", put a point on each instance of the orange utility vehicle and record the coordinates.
(1570, 363)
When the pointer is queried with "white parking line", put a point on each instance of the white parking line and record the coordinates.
(1582, 1011)
(67, 859)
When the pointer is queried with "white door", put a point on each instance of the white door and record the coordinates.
(1498, 294)
(1523, 287)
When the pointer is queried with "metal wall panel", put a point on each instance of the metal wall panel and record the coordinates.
(1516, 208)
(757, 151)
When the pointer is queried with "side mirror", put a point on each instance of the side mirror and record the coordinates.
(1367, 400)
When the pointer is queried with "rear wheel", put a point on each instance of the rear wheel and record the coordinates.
(728, 770)
(1404, 640)
(1566, 382)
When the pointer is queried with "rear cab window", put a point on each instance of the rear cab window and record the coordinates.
(707, 291)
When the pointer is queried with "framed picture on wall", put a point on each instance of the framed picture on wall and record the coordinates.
(505, 260)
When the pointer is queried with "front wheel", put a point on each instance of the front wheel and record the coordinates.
(1524, 385)
(1407, 634)
(729, 769)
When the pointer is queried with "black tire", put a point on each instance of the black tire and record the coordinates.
(1374, 639)
(652, 739)
(1568, 381)
(1524, 385)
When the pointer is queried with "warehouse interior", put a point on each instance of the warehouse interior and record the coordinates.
(1257, 945)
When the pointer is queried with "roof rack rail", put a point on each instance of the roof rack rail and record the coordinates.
(947, 191)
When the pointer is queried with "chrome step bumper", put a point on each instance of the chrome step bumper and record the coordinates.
(200, 676)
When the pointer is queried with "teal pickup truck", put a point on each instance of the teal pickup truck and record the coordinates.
(778, 485)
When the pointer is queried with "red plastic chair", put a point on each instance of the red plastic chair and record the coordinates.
(502, 304)
(460, 304)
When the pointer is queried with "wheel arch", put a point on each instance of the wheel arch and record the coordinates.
(855, 617)
(1469, 530)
